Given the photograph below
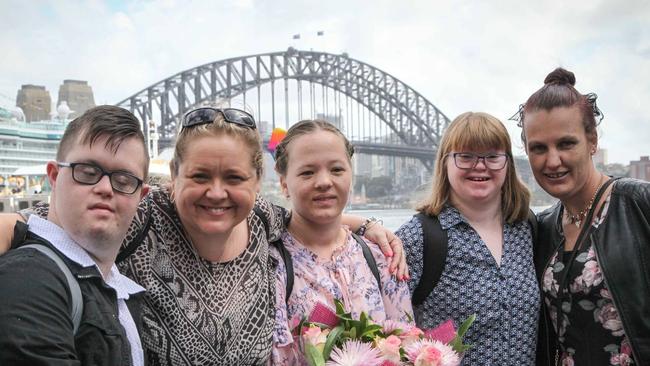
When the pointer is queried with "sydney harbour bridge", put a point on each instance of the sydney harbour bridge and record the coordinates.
(379, 113)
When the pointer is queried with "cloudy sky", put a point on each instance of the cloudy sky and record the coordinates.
(461, 55)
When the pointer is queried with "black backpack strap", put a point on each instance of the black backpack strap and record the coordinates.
(532, 221)
(133, 245)
(284, 253)
(288, 265)
(434, 256)
(370, 259)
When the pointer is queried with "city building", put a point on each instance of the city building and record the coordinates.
(600, 157)
(78, 95)
(35, 102)
(640, 169)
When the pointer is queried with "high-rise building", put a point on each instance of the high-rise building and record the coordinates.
(79, 96)
(35, 102)
(640, 169)
(600, 157)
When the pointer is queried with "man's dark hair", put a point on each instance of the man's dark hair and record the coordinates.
(118, 124)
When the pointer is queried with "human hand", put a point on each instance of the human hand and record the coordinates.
(392, 247)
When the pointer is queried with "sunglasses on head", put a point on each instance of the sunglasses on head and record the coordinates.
(205, 115)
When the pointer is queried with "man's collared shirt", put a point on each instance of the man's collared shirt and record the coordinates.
(123, 286)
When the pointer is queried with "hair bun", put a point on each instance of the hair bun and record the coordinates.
(560, 76)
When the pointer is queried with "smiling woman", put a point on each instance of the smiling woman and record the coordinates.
(328, 261)
(593, 243)
(481, 207)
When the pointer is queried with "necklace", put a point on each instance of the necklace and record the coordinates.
(577, 218)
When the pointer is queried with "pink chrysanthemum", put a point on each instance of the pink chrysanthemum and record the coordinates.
(427, 352)
(389, 348)
(355, 353)
(410, 335)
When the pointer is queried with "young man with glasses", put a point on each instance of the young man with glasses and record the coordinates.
(97, 183)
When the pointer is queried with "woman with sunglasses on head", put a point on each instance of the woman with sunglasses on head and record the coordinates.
(480, 208)
(201, 252)
(593, 260)
(328, 262)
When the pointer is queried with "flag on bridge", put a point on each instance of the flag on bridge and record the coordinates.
(276, 136)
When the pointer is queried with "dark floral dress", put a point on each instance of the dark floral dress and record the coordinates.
(591, 332)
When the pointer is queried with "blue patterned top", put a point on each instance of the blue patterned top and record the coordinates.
(505, 298)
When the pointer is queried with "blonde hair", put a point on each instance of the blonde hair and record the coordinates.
(477, 131)
(219, 127)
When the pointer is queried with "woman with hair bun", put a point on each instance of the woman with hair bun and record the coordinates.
(593, 255)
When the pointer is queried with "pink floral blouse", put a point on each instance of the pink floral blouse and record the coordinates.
(347, 277)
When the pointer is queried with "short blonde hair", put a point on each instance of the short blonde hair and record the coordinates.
(477, 131)
(219, 127)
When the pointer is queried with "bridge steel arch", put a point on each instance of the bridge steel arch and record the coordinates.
(418, 123)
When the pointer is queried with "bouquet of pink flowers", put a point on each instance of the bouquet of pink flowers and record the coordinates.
(335, 339)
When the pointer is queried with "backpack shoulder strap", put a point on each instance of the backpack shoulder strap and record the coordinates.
(532, 221)
(434, 257)
(370, 259)
(284, 253)
(75, 291)
(288, 265)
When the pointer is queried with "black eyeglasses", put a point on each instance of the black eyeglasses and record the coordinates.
(90, 174)
(205, 115)
(466, 160)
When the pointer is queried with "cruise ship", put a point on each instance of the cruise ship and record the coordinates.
(25, 148)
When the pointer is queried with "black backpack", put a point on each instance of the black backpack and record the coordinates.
(434, 254)
(288, 262)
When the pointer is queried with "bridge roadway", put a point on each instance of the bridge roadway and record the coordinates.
(421, 153)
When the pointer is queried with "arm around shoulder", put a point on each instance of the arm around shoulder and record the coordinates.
(411, 235)
(7, 223)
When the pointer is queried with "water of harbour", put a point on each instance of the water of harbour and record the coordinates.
(394, 218)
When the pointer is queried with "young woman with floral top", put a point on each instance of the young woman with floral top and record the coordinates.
(314, 164)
